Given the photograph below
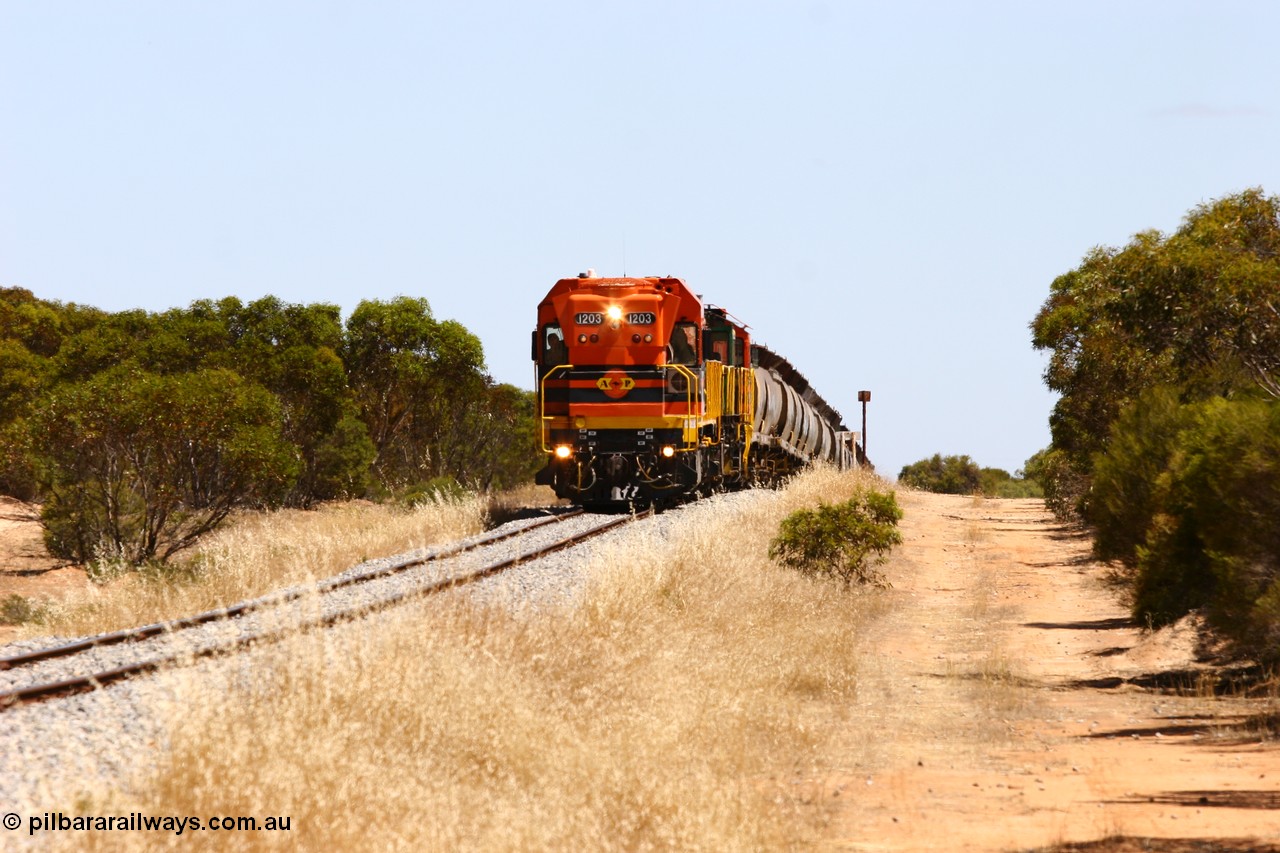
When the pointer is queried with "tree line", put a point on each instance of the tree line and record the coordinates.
(960, 475)
(1166, 436)
(138, 431)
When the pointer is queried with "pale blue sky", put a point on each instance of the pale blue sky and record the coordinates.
(884, 192)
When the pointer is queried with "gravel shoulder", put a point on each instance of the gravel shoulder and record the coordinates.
(1009, 687)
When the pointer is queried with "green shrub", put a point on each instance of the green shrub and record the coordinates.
(1186, 499)
(1224, 494)
(844, 540)
(1127, 492)
(340, 464)
(437, 490)
(998, 483)
(17, 610)
(1015, 487)
(1141, 519)
(1065, 488)
(948, 475)
(17, 475)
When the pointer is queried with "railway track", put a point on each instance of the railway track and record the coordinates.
(171, 651)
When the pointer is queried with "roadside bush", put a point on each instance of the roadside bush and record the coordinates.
(1186, 500)
(999, 483)
(437, 490)
(844, 540)
(1139, 518)
(1128, 491)
(948, 475)
(1223, 506)
(18, 610)
(1065, 488)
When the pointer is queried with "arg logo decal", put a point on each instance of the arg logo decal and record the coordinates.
(615, 384)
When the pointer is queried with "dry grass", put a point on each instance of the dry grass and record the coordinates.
(670, 707)
(260, 552)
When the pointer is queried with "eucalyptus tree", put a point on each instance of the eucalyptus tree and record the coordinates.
(137, 465)
(1197, 310)
(410, 373)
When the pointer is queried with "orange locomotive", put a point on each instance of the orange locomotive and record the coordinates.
(645, 394)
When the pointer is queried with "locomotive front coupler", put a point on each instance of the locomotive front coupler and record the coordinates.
(616, 467)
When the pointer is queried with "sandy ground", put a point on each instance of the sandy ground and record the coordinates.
(1013, 705)
(1018, 710)
(26, 569)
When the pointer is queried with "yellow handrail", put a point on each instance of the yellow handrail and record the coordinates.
(543, 417)
(689, 429)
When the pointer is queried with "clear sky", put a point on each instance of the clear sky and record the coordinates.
(883, 191)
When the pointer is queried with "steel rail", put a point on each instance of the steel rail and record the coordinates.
(231, 612)
(13, 697)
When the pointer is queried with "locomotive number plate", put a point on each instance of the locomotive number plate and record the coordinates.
(589, 318)
(641, 318)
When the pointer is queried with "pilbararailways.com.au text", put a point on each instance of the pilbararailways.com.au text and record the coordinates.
(138, 822)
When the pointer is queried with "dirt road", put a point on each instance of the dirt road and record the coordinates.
(1018, 711)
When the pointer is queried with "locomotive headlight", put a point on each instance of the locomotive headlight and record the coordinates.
(563, 451)
(668, 451)
(614, 313)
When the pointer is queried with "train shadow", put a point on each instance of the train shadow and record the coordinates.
(499, 514)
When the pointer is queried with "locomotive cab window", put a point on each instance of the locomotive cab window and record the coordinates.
(716, 345)
(684, 343)
(554, 350)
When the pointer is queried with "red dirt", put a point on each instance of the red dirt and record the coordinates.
(1019, 712)
(26, 569)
